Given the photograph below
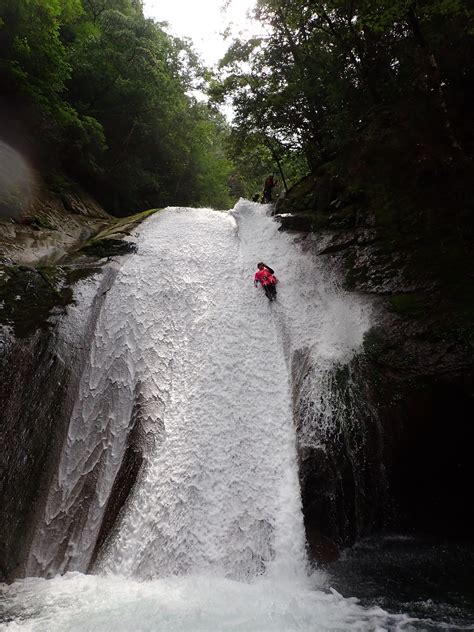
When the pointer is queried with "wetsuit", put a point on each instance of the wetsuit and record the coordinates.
(266, 277)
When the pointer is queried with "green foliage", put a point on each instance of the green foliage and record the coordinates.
(327, 70)
(255, 156)
(379, 91)
(32, 54)
(109, 92)
(208, 160)
(253, 161)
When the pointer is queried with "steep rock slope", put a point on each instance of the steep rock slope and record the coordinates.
(44, 251)
(416, 374)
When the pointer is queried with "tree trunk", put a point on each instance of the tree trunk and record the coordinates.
(277, 160)
(434, 74)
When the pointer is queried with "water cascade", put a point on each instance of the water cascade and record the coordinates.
(197, 361)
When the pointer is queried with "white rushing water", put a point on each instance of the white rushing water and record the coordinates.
(212, 535)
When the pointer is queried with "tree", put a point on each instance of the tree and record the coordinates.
(109, 91)
(326, 70)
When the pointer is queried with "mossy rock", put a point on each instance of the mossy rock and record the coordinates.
(301, 222)
(29, 297)
(408, 305)
(40, 221)
(106, 248)
(125, 225)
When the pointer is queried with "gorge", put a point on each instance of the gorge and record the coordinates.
(178, 412)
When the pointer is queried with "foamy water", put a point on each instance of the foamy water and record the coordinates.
(85, 603)
(212, 535)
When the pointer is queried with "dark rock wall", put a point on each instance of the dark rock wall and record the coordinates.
(412, 386)
(428, 436)
(340, 444)
(45, 337)
(28, 370)
(38, 385)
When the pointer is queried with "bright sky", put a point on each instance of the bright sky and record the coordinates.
(203, 21)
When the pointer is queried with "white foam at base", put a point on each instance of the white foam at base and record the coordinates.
(84, 603)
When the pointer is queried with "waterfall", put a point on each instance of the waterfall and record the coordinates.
(188, 351)
(221, 491)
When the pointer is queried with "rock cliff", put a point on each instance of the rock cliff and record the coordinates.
(406, 466)
(54, 242)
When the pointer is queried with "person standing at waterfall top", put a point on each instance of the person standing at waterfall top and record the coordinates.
(266, 276)
(270, 184)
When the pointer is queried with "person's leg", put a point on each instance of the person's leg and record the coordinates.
(270, 291)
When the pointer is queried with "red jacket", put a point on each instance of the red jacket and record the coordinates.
(265, 277)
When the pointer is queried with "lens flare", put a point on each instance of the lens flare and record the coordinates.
(16, 182)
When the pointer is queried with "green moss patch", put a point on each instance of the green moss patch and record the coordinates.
(110, 243)
(40, 221)
(124, 226)
(105, 248)
(409, 305)
(29, 297)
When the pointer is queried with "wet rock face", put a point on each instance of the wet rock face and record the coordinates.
(141, 442)
(299, 223)
(406, 464)
(29, 297)
(80, 203)
(399, 458)
(327, 493)
(49, 226)
(339, 443)
(414, 380)
(34, 394)
(45, 335)
(40, 373)
(37, 370)
(427, 441)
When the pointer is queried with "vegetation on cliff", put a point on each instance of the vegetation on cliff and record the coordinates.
(328, 74)
(371, 101)
(374, 98)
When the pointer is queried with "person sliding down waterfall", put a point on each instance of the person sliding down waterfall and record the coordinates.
(266, 276)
